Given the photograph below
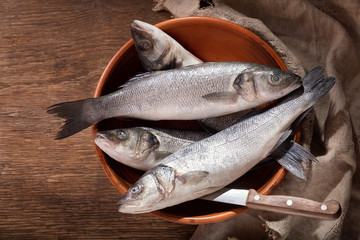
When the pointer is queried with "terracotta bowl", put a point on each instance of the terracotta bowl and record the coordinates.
(209, 39)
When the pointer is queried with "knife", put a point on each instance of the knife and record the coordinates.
(276, 203)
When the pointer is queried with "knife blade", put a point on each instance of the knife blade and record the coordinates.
(277, 203)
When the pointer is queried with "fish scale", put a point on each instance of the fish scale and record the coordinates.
(210, 164)
(186, 83)
(166, 51)
(189, 93)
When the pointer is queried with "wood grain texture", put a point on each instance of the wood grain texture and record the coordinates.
(330, 210)
(54, 51)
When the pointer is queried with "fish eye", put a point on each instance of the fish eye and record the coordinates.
(145, 44)
(135, 189)
(122, 135)
(275, 78)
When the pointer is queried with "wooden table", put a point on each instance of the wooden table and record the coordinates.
(54, 51)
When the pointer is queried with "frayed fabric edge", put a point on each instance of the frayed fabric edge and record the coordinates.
(272, 234)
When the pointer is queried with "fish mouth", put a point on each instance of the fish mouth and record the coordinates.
(124, 203)
(99, 136)
(137, 24)
(297, 82)
(121, 201)
(100, 139)
(140, 28)
(296, 77)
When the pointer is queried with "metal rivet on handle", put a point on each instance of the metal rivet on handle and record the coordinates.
(256, 197)
(289, 202)
(323, 207)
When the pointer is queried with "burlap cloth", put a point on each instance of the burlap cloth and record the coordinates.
(305, 34)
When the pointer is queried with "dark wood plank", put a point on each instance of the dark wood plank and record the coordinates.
(54, 51)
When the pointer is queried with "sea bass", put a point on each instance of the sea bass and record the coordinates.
(208, 165)
(194, 92)
(157, 50)
(141, 147)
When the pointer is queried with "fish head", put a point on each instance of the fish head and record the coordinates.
(127, 145)
(153, 46)
(265, 84)
(153, 187)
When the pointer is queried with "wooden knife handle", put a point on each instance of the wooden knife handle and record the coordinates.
(294, 205)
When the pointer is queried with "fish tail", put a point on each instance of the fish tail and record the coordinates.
(78, 115)
(315, 84)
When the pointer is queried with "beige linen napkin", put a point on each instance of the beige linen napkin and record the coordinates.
(304, 34)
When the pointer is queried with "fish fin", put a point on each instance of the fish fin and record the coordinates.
(216, 124)
(227, 97)
(290, 155)
(302, 153)
(193, 177)
(253, 113)
(76, 114)
(159, 155)
(207, 128)
(293, 166)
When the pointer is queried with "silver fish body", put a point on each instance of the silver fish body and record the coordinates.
(157, 50)
(194, 92)
(142, 147)
(208, 165)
